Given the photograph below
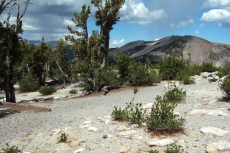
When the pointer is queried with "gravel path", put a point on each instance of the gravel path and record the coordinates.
(74, 112)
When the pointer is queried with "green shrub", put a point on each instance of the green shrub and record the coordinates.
(225, 86)
(47, 90)
(174, 93)
(171, 66)
(208, 67)
(73, 91)
(186, 79)
(162, 117)
(95, 79)
(212, 79)
(194, 69)
(153, 151)
(174, 148)
(28, 83)
(62, 138)
(122, 64)
(223, 72)
(133, 113)
(12, 149)
(119, 114)
(141, 74)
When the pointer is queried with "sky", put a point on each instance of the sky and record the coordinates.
(139, 20)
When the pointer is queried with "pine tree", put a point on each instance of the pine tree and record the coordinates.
(10, 43)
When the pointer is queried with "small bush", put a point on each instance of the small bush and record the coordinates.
(208, 67)
(153, 151)
(212, 79)
(141, 74)
(28, 83)
(162, 117)
(73, 91)
(133, 113)
(225, 86)
(12, 149)
(194, 69)
(175, 94)
(170, 67)
(95, 79)
(47, 90)
(119, 114)
(62, 138)
(174, 148)
(223, 72)
(186, 79)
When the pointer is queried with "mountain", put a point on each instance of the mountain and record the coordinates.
(188, 47)
(53, 46)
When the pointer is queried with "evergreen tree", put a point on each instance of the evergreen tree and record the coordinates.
(10, 43)
(106, 17)
(91, 53)
(42, 57)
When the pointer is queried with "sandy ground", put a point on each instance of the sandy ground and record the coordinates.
(22, 124)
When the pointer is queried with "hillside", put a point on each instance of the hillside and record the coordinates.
(189, 47)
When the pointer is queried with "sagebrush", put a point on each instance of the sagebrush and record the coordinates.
(47, 90)
(162, 117)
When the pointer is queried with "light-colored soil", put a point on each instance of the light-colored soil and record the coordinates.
(35, 126)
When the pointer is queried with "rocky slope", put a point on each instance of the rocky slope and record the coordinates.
(90, 129)
(188, 47)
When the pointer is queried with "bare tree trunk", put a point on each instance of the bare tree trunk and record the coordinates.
(7, 89)
(12, 90)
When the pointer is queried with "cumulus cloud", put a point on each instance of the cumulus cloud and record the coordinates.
(135, 11)
(181, 24)
(118, 42)
(216, 3)
(216, 15)
(197, 32)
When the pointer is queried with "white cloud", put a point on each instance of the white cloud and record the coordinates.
(68, 22)
(181, 24)
(220, 16)
(29, 27)
(118, 42)
(202, 25)
(135, 11)
(216, 15)
(197, 32)
(216, 3)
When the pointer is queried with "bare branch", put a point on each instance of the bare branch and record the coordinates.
(3, 5)
(10, 11)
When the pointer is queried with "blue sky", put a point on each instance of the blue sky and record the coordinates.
(140, 20)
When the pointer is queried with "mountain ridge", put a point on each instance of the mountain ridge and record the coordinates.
(189, 47)
(194, 48)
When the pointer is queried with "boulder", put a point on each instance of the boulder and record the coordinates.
(79, 150)
(213, 130)
(127, 133)
(160, 143)
(125, 148)
(93, 129)
(218, 146)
